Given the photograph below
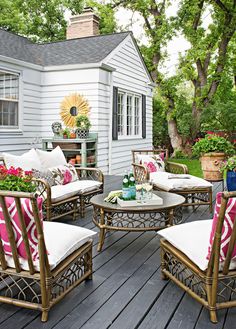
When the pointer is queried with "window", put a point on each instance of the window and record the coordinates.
(128, 114)
(9, 100)
(120, 114)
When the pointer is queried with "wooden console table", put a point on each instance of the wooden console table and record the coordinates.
(86, 148)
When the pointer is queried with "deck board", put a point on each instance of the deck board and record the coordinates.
(127, 291)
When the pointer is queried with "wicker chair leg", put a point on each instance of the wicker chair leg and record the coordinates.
(89, 264)
(75, 209)
(82, 206)
(44, 316)
(210, 201)
(213, 316)
(48, 213)
(163, 275)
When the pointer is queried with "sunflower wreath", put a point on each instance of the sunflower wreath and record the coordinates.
(71, 107)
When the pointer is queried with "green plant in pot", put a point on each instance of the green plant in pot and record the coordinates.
(83, 125)
(66, 133)
(212, 150)
(230, 167)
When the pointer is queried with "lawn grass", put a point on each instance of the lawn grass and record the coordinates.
(193, 165)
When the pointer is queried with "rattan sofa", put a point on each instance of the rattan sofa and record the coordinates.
(212, 283)
(65, 258)
(194, 196)
(75, 205)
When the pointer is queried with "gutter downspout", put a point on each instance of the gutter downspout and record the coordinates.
(110, 126)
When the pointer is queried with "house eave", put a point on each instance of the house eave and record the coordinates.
(19, 62)
(68, 67)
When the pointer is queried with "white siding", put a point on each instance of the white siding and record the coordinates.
(131, 75)
(58, 84)
(29, 107)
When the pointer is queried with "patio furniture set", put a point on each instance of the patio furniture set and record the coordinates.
(38, 270)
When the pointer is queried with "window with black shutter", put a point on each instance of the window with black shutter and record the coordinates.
(129, 112)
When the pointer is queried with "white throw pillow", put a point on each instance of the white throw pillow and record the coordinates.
(155, 159)
(51, 159)
(26, 161)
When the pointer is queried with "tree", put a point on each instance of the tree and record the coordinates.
(203, 64)
(44, 21)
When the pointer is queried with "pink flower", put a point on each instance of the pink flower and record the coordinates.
(150, 166)
(67, 177)
(15, 172)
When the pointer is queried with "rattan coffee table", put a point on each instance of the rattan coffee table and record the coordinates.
(108, 216)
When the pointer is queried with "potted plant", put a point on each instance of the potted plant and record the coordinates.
(66, 133)
(212, 151)
(83, 124)
(72, 134)
(16, 179)
(230, 167)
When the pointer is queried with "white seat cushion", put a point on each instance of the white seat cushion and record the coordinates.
(61, 240)
(26, 161)
(164, 182)
(51, 159)
(192, 239)
(61, 192)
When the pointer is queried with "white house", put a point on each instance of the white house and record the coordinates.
(107, 69)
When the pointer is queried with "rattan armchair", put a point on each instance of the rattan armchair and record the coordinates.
(193, 197)
(213, 287)
(40, 286)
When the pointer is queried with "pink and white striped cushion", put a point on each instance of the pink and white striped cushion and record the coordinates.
(230, 215)
(30, 226)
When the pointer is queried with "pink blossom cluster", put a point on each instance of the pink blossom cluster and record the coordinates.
(18, 172)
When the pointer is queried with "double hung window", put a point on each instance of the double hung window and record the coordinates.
(129, 114)
(9, 100)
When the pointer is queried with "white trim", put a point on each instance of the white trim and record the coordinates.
(100, 65)
(110, 126)
(11, 132)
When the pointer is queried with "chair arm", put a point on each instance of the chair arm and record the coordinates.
(90, 173)
(43, 188)
(140, 172)
(176, 168)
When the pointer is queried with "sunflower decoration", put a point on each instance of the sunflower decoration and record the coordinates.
(71, 107)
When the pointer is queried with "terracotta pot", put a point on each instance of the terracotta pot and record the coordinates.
(72, 135)
(78, 159)
(211, 163)
(65, 136)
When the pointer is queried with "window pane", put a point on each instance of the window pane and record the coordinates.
(9, 94)
(136, 115)
(8, 113)
(120, 109)
(129, 115)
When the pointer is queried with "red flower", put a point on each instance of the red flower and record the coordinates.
(15, 172)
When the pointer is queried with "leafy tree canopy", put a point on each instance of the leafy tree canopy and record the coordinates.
(44, 21)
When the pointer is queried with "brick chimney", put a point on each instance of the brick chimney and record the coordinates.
(85, 24)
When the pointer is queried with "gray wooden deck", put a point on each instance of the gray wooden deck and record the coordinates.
(126, 291)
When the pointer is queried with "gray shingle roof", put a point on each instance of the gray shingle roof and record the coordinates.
(74, 51)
